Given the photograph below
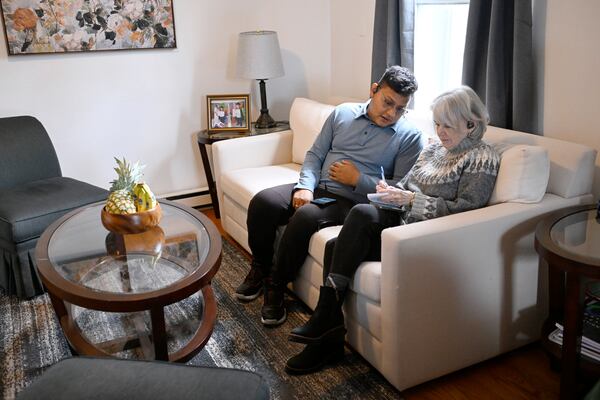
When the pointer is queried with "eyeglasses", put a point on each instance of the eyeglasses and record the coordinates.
(401, 111)
(388, 103)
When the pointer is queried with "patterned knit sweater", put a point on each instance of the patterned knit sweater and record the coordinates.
(451, 181)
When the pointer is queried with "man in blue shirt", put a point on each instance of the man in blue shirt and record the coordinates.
(345, 163)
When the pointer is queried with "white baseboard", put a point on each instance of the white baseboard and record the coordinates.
(195, 201)
(201, 197)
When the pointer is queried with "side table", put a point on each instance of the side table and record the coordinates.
(569, 242)
(204, 138)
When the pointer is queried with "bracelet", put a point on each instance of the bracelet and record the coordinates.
(412, 199)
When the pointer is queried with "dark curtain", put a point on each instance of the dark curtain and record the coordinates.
(393, 36)
(498, 61)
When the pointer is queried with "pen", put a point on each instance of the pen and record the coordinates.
(382, 174)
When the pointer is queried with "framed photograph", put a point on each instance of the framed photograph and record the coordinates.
(228, 113)
(59, 26)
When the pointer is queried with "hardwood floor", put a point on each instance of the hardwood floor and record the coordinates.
(522, 374)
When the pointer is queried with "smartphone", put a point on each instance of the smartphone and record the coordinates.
(323, 201)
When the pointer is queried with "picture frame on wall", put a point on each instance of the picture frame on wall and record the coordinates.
(228, 113)
(54, 26)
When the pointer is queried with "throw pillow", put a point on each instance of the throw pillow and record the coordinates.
(306, 120)
(523, 174)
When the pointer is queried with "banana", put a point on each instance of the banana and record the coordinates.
(144, 198)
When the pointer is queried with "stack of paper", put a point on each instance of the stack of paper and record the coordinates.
(589, 348)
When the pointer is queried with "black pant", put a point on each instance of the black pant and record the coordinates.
(271, 208)
(360, 239)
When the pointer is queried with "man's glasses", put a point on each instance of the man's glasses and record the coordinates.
(400, 111)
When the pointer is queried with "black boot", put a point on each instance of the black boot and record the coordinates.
(315, 356)
(326, 322)
(273, 309)
(252, 286)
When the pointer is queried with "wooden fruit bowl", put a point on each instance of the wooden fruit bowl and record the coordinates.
(150, 242)
(131, 223)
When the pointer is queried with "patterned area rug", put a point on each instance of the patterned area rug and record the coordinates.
(31, 340)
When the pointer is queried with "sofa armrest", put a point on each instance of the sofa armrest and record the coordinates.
(460, 289)
(252, 151)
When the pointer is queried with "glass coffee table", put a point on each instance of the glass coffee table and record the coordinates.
(143, 296)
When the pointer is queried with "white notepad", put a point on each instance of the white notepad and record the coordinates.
(376, 199)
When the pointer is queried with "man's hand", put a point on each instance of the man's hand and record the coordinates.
(345, 172)
(301, 197)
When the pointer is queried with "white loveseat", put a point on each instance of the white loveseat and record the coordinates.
(448, 292)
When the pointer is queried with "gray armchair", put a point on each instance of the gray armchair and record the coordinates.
(104, 378)
(33, 194)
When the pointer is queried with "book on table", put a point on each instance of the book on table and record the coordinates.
(590, 335)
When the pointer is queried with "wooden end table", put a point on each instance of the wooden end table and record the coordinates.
(205, 138)
(144, 295)
(569, 242)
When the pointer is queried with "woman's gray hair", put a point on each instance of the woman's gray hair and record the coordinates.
(458, 104)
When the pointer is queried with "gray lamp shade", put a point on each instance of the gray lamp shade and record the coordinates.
(259, 56)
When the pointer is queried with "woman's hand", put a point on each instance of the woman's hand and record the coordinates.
(381, 186)
(397, 196)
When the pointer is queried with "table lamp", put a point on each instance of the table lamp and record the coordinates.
(259, 57)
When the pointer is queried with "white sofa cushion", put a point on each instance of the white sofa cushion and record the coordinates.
(318, 241)
(523, 174)
(243, 184)
(306, 120)
(571, 164)
(366, 281)
(365, 312)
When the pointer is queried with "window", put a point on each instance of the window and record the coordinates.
(440, 29)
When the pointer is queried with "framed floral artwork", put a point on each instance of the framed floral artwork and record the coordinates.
(61, 26)
(228, 113)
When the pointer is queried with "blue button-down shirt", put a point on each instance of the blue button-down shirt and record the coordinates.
(349, 134)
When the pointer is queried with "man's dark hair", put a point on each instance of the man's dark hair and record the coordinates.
(400, 79)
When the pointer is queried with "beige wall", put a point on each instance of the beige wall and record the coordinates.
(571, 89)
(351, 39)
(147, 104)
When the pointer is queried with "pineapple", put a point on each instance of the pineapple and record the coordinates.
(121, 199)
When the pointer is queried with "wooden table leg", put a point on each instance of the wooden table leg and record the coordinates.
(208, 317)
(59, 306)
(556, 304)
(556, 286)
(159, 334)
(573, 317)
(212, 187)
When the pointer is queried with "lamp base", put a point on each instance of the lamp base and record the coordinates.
(265, 121)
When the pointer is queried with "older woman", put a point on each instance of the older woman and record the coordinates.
(455, 174)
